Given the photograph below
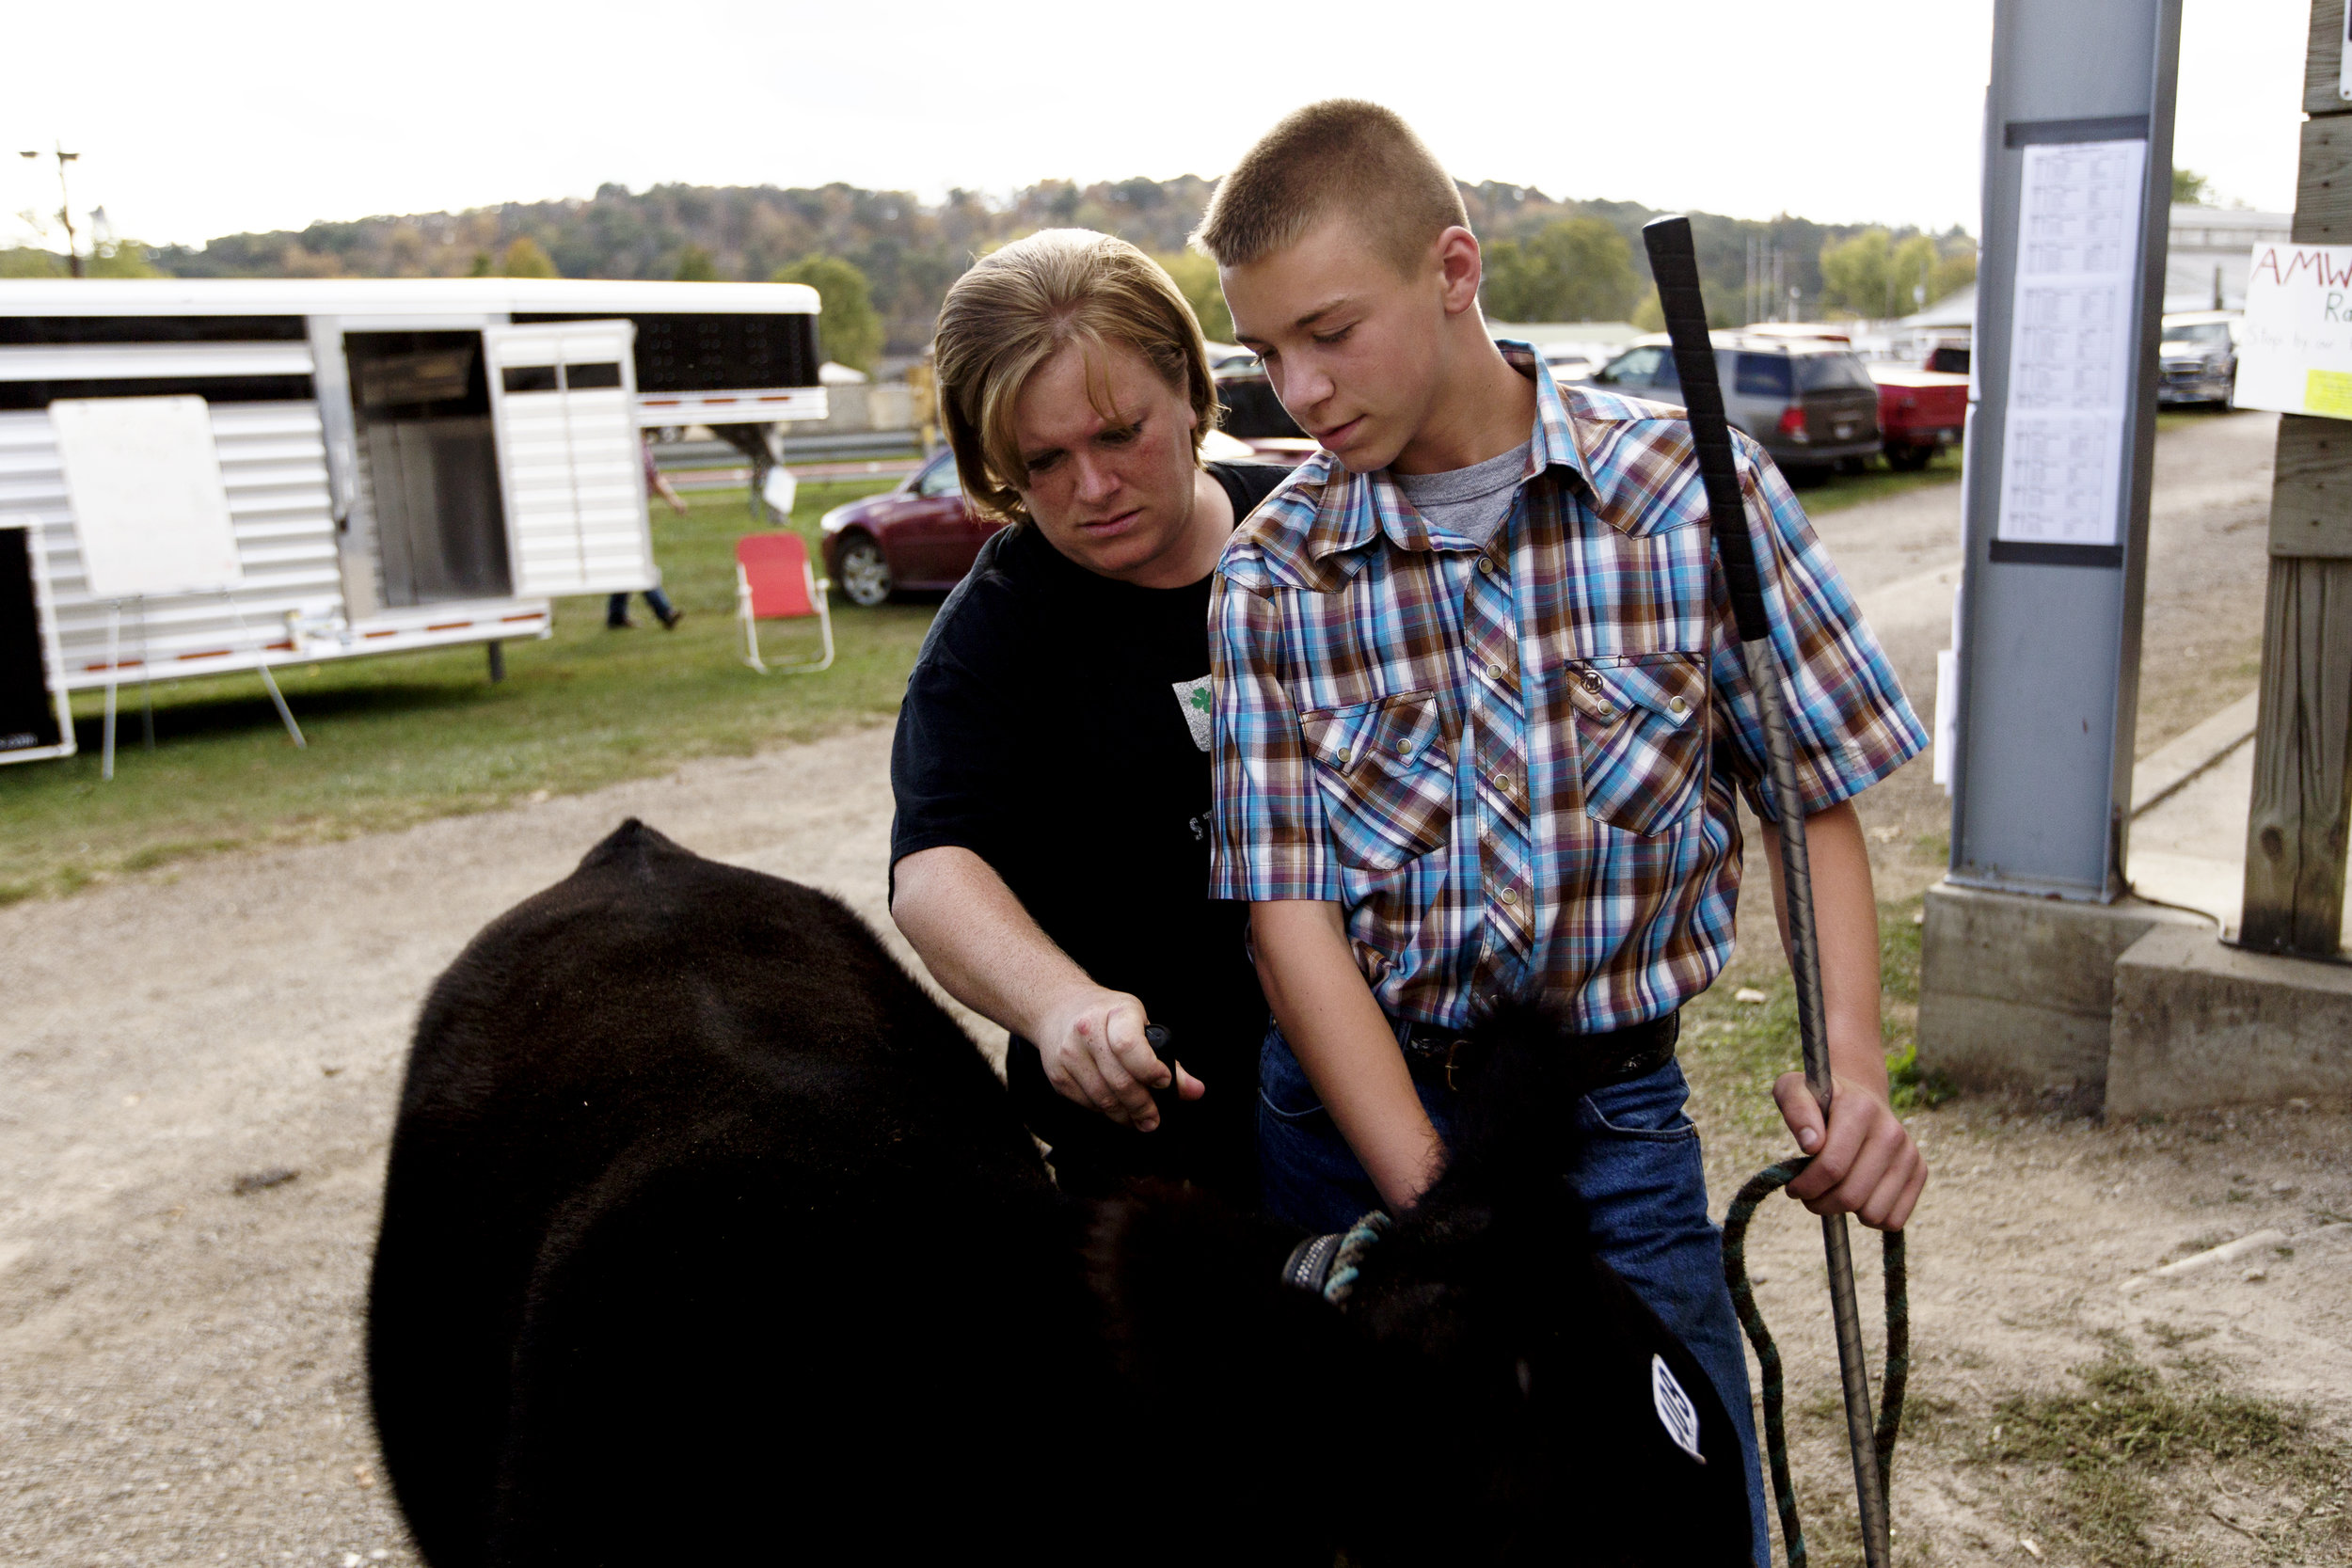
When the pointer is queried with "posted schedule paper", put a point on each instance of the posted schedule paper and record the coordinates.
(2070, 358)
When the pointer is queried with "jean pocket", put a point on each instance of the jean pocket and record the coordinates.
(1284, 1091)
(1649, 1108)
(1386, 776)
(1640, 722)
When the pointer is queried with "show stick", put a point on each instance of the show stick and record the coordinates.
(1675, 265)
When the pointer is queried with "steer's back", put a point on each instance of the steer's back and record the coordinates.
(695, 1200)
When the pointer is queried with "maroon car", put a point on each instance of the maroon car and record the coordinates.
(917, 535)
(920, 534)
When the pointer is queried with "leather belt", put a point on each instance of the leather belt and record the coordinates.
(1454, 1056)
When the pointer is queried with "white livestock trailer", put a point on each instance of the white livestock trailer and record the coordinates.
(208, 475)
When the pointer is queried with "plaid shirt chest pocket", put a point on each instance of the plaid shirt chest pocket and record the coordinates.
(1641, 724)
(1386, 777)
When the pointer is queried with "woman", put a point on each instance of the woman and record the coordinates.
(1050, 853)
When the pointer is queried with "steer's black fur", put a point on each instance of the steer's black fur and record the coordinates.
(707, 1236)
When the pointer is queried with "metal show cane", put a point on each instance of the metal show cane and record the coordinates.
(1675, 265)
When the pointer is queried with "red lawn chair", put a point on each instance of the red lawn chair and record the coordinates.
(773, 581)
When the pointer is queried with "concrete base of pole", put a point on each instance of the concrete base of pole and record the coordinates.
(2197, 1024)
(2018, 993)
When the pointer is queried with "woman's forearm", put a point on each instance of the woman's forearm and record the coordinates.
(978, 943)
(1343, 1040)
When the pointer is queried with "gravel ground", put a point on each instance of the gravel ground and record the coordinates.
(180, 1318)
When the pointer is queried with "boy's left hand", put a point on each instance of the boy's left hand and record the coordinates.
(1868, 1166)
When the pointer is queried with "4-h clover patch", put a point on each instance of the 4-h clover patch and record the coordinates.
(1193, 697)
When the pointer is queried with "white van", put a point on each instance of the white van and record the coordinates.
(210, 475)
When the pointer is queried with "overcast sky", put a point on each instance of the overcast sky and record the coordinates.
(197, 120)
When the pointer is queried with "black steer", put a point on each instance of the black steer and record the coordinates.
(707, 1236)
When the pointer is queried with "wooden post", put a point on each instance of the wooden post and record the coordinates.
(2301, 813)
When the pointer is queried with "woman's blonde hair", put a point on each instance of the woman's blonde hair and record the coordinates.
(1017, 308)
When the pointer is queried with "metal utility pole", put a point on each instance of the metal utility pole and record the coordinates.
(65, 205)
(2061, 440)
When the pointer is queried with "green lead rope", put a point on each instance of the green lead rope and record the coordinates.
(1761, 1186)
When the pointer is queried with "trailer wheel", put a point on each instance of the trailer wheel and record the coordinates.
(863, 571)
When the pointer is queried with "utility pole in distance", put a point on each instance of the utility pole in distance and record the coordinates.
(65, 206)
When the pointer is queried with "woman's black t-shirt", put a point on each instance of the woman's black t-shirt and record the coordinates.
(1057, 725)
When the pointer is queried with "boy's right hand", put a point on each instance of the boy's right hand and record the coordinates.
(1095, 1053)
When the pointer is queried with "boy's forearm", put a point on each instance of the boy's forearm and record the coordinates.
(1845, 923)
(1343, 1040)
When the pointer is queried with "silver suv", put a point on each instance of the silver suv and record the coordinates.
(1808, 404)
(2199, 357)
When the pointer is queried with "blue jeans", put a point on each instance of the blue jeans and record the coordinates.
(1637, 1170)
(616, 607)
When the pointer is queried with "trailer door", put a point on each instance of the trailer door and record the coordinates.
(34, 719)
(562, 401)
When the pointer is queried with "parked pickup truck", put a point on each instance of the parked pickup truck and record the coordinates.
(1920, 412)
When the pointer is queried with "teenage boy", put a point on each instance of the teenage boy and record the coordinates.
(1480, 718)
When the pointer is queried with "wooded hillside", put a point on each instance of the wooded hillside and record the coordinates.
(909, 250)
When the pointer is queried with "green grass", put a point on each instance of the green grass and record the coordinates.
(1735, 1048)
(2177, 419)
(406, 738)
(2130, 1440)
(1877, 482)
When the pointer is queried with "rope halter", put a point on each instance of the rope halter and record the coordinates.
(1328, 1265)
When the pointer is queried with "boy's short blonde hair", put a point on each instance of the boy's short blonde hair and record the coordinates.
(1017, 308)
(1342, 155)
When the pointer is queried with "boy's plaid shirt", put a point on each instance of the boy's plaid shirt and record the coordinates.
(1513, 769)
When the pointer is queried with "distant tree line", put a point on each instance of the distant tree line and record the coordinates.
(1877, 275)
(1547, 259)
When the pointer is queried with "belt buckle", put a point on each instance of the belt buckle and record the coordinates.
(1453, 1064)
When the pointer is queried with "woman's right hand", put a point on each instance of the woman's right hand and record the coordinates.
(1095, 1053)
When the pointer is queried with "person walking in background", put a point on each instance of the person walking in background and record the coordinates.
(617, 609)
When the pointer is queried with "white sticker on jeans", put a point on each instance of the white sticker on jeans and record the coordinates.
(1676, 1412)
(1193, 697)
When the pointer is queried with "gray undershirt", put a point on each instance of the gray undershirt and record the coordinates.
(1473, 501)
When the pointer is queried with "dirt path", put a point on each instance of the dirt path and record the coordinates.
(2024, 1253)
(178, 1363)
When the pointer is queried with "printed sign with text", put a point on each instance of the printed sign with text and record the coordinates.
(2294, 349)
